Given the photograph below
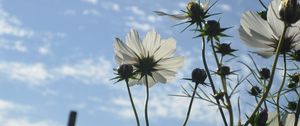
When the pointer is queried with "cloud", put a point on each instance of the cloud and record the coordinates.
(91, 12)
(136, 10)
(91, 1)
(12, 26)
(7, 107)
(34, 74)
(139, 26)
(111, 6)
(225, 7)
(70, 12)
(12, 46)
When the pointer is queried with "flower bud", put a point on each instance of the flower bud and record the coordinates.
(255, 91)
(291, 85)
(295, 77)
(195, 11)
(292, 106)
(264, 73)
(125, 71)
(212, 28)
(219, 95)
(263, 117)
(289, 11)
(199, 76)
(224, 70)
(224, 49)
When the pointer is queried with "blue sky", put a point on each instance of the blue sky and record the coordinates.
(57, 56)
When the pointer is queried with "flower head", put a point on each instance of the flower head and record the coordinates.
(195, 13)
(289, 11)
(151, 57)
(264, 35)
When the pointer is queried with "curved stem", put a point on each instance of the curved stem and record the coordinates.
(146, 101)
(132, 104)
(280, 88)
(190, 106)
(211, 81)
(265, 95)
(223, 79)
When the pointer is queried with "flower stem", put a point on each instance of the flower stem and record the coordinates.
(280, 88)
(223, 79)
(190, 106)
(146, 101)
(297, 112)
(211, 80)
(132, 104)
(265, 95)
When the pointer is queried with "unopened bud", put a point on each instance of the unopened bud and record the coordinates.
(255, 91)
(224, 70)
(125, 71)
(212, 28)
(264, 73)
(289, 11)
(292, 106)
(199, 76)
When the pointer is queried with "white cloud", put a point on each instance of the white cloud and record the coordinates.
(91, 12)
(90, 1)
(88, 71)
(34, 74)
(13, 46)
(10, 25)
(225, 7)
(44, 50)
(70, 12)
(7, 107)
(136, 10)
(111, 6)
(138, 25)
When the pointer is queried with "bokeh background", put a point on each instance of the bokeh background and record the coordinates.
(57, 56)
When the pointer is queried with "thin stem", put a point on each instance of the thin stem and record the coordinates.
(297, 112)
(280, 88)
(223, 79)
(190, 106)
(263, 4)
(211, 81)
(265, 95)
(132, 104)
(146, 101)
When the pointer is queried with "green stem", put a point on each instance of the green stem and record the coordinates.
(146, 101)
(297, 112)
(190, 106)
(265, 95)
(280, 88)
(211, 81)
(223, 78)
(132, 104)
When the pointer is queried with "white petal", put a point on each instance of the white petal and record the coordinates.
(160, 78)
(134, 42)
(253, 24)
(151, 42)
(167, 48)
(172, 64)
(205, 5)
(266, 52)
(252, 40)
(272, 119)
(151, 81)
(173, 16)
(123, 51)
(273, 17)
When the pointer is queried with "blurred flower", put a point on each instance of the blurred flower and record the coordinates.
(195, 13)
(289, 11)
(264, 35)
(152, 58)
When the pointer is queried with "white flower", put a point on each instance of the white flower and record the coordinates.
(264, 35)
(152, 58)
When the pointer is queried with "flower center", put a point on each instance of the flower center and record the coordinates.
(195, 11)
(286, 44)
(146, 65)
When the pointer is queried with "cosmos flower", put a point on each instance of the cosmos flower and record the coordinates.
(264, 35)
(195, 12)
(152, 57)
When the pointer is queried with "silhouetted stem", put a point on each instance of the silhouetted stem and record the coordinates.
(297, 112)
(265, 95)
(190, 106)
(211, 81)
(146, 101)
(132, 104)
(280, 88)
